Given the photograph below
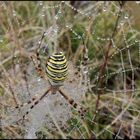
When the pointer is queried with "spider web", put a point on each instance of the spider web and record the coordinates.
(117, 115)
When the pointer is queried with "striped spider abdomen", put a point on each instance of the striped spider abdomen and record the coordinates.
(57, 69)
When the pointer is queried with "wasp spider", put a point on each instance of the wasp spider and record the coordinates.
(56, 72)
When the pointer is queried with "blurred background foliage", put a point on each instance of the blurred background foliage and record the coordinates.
(21, 26)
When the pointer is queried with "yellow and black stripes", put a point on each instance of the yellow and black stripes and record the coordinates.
(57, 68)
(57, 71)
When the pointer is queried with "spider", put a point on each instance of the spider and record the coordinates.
(56, 72)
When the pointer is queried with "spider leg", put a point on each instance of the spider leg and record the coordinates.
(80, 109)
(37, 65)
(42, 75)
(26, 80)
(27, 103)
(40, 72)
(35, 103)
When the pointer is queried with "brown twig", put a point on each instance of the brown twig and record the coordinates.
(12, 131)
(102, 67)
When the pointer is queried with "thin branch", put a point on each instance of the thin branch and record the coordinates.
(103, 66)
